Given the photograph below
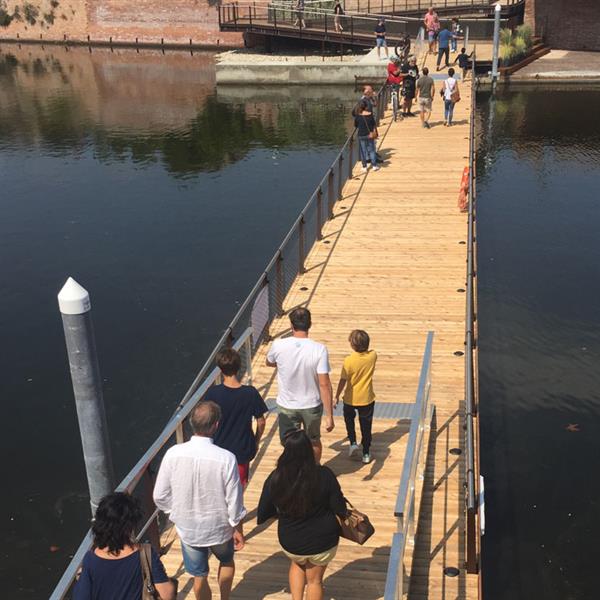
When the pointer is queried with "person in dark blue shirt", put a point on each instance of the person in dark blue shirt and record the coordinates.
(112, 569)
(240, 405)
(444, 38)
(464, 62)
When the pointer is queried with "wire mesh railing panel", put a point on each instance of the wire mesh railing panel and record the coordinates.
(291, 261)
(310, 228)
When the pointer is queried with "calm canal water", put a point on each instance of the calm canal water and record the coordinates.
(165, 198)
(539, 318)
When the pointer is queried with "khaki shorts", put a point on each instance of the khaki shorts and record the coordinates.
(425, 103)
(309, 419)
(319, 560)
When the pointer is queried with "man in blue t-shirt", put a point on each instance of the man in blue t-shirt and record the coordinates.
(240, 405)
(444, 38)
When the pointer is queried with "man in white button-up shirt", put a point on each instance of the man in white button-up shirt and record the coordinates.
(198, 486)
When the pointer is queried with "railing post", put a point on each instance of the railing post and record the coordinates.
(301, 245)
(279, 284)
(179, 434)
(351, 156)
(248, 350)
(250, 15)
(340, 176)
(369, 7)
(330, 199)
(152, 533)
(472, 566)
(319, 213)
(275, 18)
(351, 29)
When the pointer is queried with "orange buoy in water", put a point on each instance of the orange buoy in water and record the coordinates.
(464, 190)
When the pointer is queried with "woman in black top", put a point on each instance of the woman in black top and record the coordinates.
(366, 126)
(306, 498)
(409, 85)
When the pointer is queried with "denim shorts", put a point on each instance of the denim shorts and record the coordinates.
(381, 43)
(195, 560)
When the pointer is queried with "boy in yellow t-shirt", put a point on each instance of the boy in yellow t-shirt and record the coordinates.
(357, 378)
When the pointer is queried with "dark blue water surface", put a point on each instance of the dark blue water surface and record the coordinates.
(165, 198)
(539, 342)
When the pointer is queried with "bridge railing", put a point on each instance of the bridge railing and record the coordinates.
(282, 16)
(471, 389)
(248, 329)
(414, 463)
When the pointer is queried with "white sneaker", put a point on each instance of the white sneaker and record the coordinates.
(376, 168)
(353, 448)
(364, 169)
(366, 458)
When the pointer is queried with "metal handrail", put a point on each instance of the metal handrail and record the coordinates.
(470, 316)
(405, 501)
(248, 338)
(372, 16)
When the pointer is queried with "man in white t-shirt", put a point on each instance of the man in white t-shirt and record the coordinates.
(303, 381)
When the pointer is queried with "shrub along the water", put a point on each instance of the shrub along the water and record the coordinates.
(515, 45)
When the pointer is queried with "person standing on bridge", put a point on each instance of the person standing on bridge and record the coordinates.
(359, 397)
(303, 381)
(338, 11)
(380, 40)
(306, 499)
(444, 38)
(300, 15)
(429, 21)
(198, 486)
(451, 95)
(240, 405)
(367, 134)
(425, 96)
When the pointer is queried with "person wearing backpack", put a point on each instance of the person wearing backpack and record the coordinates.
(451, 95)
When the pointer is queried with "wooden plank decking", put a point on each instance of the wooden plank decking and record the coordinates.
(392, 262)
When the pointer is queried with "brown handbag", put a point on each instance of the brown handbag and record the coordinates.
(148, 590)
(356, 526)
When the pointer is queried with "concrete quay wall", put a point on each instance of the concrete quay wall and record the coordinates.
(297, 72)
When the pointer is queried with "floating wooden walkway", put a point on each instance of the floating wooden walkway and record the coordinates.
(393, 263)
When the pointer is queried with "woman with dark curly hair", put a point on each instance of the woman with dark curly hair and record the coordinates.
(112, 569)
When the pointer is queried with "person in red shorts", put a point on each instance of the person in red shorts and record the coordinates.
(240, 406)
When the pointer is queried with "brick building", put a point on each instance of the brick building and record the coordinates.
(566, 24)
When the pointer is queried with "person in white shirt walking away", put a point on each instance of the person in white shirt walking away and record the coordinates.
(198, 486)
(304, 386)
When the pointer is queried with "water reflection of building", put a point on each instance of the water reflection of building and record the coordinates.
(110, 86)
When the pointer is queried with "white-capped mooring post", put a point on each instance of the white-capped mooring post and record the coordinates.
(496, 48)
(74, 304)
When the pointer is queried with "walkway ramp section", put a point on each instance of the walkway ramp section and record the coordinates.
(392, 262)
